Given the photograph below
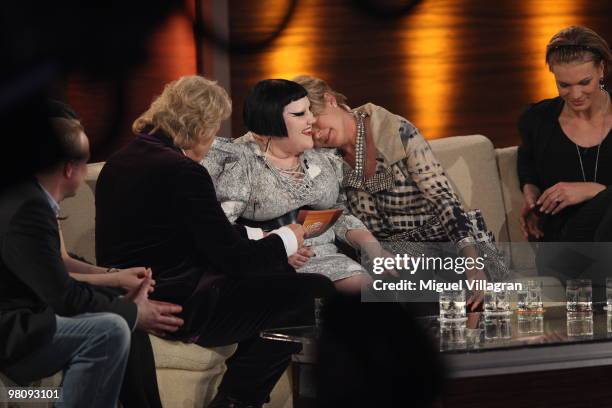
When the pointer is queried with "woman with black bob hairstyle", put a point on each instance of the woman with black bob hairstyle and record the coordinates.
(265, 176)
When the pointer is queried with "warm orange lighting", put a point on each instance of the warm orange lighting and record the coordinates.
(428, 64)
(544, 20)
(294, 52)
(173, 48)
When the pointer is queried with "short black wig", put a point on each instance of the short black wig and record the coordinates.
(264, 105)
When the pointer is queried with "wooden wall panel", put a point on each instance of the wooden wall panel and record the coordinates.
(452, 67)
(107, 109)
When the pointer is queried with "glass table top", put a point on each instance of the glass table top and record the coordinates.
(554, 326)
(477, 333)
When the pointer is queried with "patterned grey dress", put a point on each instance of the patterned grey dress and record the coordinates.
(248, 186)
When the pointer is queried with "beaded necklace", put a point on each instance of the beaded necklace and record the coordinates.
(295, 179)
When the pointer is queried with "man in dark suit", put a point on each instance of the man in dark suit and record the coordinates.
(48, 321)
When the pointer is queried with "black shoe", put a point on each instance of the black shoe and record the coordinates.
(225, 401)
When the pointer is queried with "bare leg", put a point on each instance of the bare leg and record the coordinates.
(353, 284)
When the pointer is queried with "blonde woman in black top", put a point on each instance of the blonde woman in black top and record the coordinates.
(565, 159)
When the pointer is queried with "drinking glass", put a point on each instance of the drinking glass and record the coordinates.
(579, 295)
(529, 297)
(521, 298)
(609, 295)
(530, 323)
(452, 305)
(534, 296)
(452, 334)
(496, 302)
(497, 327)
(579, 324)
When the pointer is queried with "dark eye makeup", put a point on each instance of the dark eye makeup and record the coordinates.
(584, 82)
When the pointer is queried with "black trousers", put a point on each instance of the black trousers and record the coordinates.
(241, 310)
(584, 245)
(592, 222)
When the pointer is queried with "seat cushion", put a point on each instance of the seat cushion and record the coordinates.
(469, 162)
(179, 355)
(522, 252)
(80, 211)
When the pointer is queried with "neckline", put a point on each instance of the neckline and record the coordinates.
(558, 115)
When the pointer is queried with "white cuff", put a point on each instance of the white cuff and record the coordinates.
(254, 233)
(289, 239)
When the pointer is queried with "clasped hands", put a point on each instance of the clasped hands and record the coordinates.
(155, 317)
(552, 201)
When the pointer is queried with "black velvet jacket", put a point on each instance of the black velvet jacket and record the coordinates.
(156, 207)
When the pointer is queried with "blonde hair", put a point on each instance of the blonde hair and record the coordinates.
(578, 44)
(189, 111)
(317, 88)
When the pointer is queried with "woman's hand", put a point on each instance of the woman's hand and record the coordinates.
(565, 194)
(392, 272)
(300, 258)
(531, 193)
(368, 244)
(530, 219)
(130, 279)
(477, 296)
(472, 274)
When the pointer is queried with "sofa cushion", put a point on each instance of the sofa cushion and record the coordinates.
(469, 162)
(78, 227)
(178, 355)
(523, 253)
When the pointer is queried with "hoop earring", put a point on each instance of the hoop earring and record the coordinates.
(602, 85)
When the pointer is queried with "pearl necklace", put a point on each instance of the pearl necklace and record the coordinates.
(360, 144)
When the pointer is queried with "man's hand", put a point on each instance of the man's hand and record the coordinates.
(565, 194)
(299, 232)
(130, 279)
(300, 258)
(153, 316)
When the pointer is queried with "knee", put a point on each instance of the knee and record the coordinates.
(116, 331)
(353, 284)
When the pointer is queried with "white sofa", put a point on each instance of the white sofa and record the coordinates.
(484, 178)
